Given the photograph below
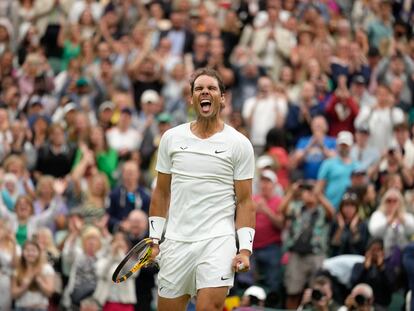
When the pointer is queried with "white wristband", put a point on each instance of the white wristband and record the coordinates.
(156, 227)
(246, 237)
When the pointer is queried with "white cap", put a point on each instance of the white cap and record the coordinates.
(106, 105)
(69, 107)
(269, 174)
(255, 291)
(150, 96)
(345, 137)
(264, 161)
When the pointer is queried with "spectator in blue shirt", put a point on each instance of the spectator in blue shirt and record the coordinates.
(334, 175)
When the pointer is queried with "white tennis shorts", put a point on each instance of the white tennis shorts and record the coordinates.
(186, 267)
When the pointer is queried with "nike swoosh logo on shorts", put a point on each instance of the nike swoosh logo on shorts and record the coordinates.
(183, 148)
(223, 278)
(219, 151)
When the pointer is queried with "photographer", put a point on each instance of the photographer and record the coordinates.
(306, 236)
(375, 272)
(319, 296)
(360, 299)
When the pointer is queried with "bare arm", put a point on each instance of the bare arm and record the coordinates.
(246, 208)
(160, 200)
(46, 284)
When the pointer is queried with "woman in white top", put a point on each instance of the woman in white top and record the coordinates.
(110, 295)
(8, 260)
(33, 281)
(391, 222)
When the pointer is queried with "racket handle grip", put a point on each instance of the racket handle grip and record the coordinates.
(240, 266)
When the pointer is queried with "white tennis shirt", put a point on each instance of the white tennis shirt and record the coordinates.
(202, 184)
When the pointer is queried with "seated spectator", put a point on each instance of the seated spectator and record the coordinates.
(319, 295)
(33, 281)
(408, 261)
(360, 299)
(254, 296)
(374, 271)
(312, 150)
(306, 237)
(349, 234)
(127, 197)
(392, 223)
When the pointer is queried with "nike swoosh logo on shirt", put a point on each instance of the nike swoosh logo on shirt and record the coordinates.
(219, 151)
(183, 148)
(251, 238)
(223, 278)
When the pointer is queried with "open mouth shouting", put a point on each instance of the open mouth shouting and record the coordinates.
(205, 105)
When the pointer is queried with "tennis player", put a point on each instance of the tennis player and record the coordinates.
(204, 184)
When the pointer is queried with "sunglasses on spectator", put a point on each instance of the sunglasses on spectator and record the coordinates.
(391, 200)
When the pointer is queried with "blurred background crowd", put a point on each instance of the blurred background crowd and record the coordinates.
(322, 88)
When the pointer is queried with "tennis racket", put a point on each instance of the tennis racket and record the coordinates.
(139, 256)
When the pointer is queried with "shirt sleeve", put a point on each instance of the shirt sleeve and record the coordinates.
(323, 171)
(244, 160)
(163, 157)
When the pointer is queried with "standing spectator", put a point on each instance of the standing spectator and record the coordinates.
(33, 280)
(341, 110)
(136, 229)
(361, 152)
(9, 256)
(312, 150)
(374, 272)
(263, 112)
(360, 92)
(267, 241)
(124, 138)
(392, 223)
(82, 261)
(349, 234)
(404, 144)
(334, 175)
(110, 295)
(383, 113)
(300, 115)
(380, 29)
(55, 157)
(23, 222)
(306, 238)
(130, 195)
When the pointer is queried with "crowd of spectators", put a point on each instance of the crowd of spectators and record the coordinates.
(322, 88)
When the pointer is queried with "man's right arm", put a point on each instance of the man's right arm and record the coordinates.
(160, 200)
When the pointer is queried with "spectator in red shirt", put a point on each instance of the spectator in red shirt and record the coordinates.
(341, 110)
(267, 249)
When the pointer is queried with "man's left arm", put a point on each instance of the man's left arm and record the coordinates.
(245, 223)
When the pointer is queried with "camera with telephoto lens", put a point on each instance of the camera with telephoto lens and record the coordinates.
(317, 295)
(360, 300)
